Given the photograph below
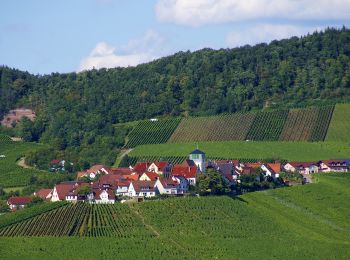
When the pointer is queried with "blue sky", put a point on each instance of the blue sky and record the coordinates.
(44, 36)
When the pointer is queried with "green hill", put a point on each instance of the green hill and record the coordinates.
(303, 222)
(339, 129)
(77, 112)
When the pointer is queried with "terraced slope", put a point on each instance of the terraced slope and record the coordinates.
(267, 126)
(152, 132)
(214, 128)
(303, 222)
(339, 128)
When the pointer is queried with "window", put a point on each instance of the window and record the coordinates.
(195, 156)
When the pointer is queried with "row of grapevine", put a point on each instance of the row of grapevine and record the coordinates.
(267, 126)
(152, 132)
(5, 139)
(215, 128)
(310, 124)
(81, 219)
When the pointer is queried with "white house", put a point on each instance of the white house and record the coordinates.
(142, 189)
(168, 186)
(302, 167)
(104, 197)
(334, 166)
(159, 167)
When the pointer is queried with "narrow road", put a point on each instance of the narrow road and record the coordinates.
(120, 157)
(148, 226)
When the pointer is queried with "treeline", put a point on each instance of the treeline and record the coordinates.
(76, 112)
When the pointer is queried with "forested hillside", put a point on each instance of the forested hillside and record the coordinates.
(76, 112)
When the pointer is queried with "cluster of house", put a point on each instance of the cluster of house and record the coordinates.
(149, 179)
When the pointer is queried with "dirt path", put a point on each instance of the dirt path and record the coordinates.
(148, 226)
(120, 157)
(156, 232)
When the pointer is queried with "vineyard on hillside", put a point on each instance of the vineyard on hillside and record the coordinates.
(339, 128)
(152, 132)
(306, 124)
(267, 126)
(4, 139)
(81, 219)
(215, 128)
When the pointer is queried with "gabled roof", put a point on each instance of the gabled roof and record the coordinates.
(197, 151)
(64, 188)
(120, 170)
(334, 163)
(168, 183)
(43, 193)
(141, 167)
(187, 172)
(98, 193)
(302, 164)
(143, 185)
(132, 177)
(253, 165)
(19, 200)
(151, 175)
(188, 163)
(161, 165)
(275, 167)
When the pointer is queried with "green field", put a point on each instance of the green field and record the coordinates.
(292, 151)
(12, 175)
(302, 222)
(339, 128)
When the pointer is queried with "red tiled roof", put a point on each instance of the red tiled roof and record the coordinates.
(161, 165)
(110, 193)
(187, 172)
(143, 185)
(141, 167)
(55, 161)
(302, 164)
(152, 175)
(188, 163)
(43, 193)
(64, 188)
(120, 171)
(132, 177)
(253, 165)
(19, 200)
(168, 183)
(276, 167)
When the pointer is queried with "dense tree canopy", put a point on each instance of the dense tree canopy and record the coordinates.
(76, 111)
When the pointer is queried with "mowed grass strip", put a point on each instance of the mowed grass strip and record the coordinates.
(292, 151)
(213, 128)
(339, 128)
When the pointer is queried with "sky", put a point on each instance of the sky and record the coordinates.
(45, 36)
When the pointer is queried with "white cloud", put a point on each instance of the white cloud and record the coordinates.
(200, 12)
(266, 33)
(137, 51)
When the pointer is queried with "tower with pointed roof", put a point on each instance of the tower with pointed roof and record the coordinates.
(198, 157)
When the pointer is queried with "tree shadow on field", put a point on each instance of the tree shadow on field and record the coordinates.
(235, 197)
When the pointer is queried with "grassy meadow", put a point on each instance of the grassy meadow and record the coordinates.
(292, 151)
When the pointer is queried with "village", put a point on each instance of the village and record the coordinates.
(147, 180)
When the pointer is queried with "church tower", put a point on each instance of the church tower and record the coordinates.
(198, 157)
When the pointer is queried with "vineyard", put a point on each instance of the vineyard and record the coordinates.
(215, 128)
(267, 126)
(339, 128)
(81, 219)
(301, 222)
(152, 132)
(307, 124)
